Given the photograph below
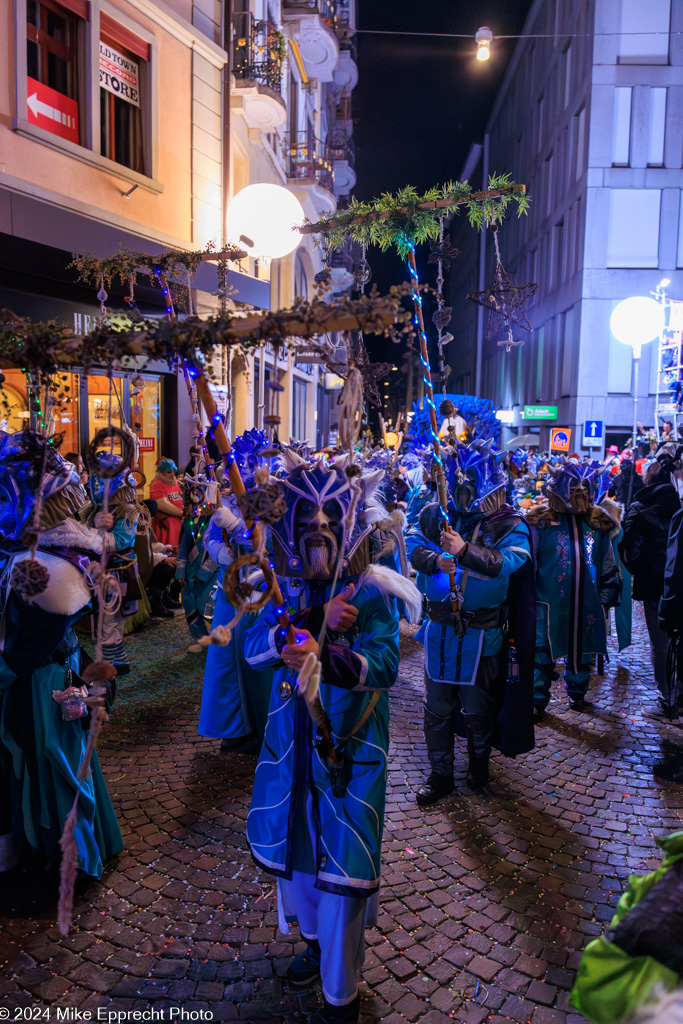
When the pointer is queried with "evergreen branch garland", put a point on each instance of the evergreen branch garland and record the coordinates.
(125, 265)
(408, 217)
(50, 348)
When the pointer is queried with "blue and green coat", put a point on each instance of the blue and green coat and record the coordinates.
(576, 579)
(40, 753)
(355, 666)
(199, 571)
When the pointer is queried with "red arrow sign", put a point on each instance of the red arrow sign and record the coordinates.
(51, 110)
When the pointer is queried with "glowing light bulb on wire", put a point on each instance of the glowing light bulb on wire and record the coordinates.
(483, 39)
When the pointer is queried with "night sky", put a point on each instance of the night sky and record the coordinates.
(420, 102)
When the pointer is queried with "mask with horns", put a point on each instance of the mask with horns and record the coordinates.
(476, 478)
(573, 486)
(308, 539)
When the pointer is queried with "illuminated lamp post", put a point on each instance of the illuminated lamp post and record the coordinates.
(264, 219)
(635, 322)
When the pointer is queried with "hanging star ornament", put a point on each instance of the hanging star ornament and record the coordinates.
(370, 372)
(506, 304)
(442, 252)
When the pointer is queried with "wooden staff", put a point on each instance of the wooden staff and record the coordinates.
(163, 280)
(383, 428)
(314, 705)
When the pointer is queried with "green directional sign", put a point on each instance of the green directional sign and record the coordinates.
(540, 412)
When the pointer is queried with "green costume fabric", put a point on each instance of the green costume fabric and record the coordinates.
(611, 984)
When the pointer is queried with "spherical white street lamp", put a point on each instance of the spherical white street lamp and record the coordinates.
(264, 218)
(635, 322)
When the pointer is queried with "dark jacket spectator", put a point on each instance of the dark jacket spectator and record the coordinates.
(622, 483)
(646, 531)
(671, 604)
(643, 549)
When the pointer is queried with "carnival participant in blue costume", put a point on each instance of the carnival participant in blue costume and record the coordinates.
(388, 546)
(122, 562)
(576, 580)
(613, 512)
(195, 568)
(321, 834)
(233, 707)
(467, 653)
(42, 738)
(414, 471)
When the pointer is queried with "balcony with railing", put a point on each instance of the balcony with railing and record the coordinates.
(346, 71)
(343, 115)
(258, 58)
(308, 161)
(341, 149)
(313, 26)
(328, 10)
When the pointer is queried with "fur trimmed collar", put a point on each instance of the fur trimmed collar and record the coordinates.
(73, 534)
(67, 591)
(605, 517)
(542, 516)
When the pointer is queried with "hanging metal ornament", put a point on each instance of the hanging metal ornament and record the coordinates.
(506, 303)
(102, 298)
(362, 272)
(370, 372)
(323, 279)
(441, 254)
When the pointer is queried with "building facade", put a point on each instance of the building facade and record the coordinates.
(131, 124)
(590, 119)
(293, 73)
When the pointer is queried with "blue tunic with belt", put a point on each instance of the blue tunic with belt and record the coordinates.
(356, 664)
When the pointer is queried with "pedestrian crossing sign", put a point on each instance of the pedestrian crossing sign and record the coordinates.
(560, 439)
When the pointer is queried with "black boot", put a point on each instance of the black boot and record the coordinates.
(669, 771)
(478, 766)
(477, 772)
(158, 611)
(439, 738)
(433, 788)
(346, 1014)
(304, 970)
(247, 744)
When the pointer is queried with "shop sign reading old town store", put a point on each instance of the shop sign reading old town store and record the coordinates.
(119, 74)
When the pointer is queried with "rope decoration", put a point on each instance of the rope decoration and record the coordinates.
(239, 591)
(110, 434)
(29, 578)
(265, 502)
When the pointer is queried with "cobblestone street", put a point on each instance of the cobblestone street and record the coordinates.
(487, 900)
